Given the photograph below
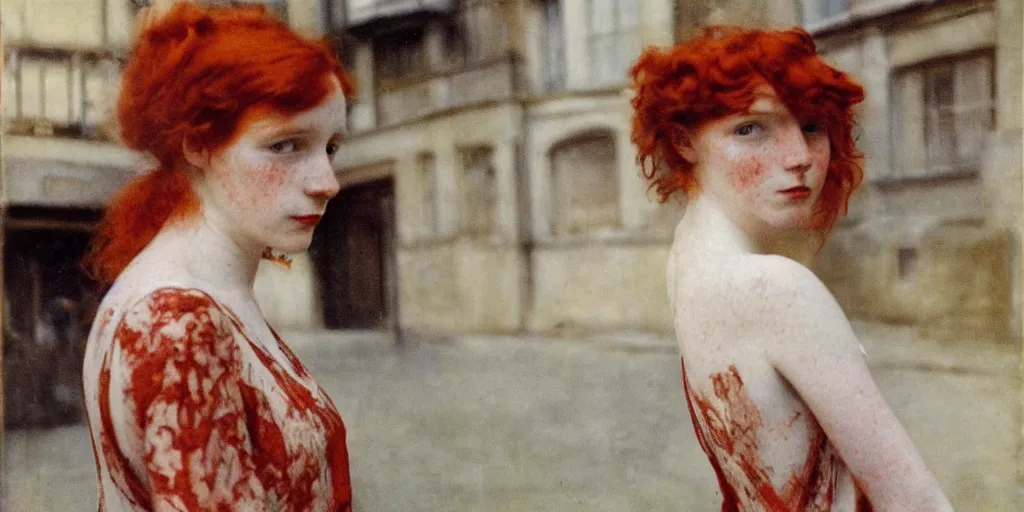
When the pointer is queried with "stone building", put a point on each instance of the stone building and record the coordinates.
(489, 181)
(60, 60)
(517, 201)
(933, 236)
(501, 132)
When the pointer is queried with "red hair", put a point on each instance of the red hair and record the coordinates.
(190, 78)
(715, 75)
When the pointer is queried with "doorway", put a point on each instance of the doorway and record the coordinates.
(354, 253)
(49, 303)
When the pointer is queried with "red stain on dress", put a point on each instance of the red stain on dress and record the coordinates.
(215, 430)
(727, 429)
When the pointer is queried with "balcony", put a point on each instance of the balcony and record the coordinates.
(366, 18)
(483, 82)
(59, 92)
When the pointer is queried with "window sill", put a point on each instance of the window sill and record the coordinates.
(569, 93)
(894, 182)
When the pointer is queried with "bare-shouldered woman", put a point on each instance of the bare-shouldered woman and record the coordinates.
(756, 130)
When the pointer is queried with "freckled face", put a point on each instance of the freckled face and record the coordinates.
(271, 184)
(764, 166)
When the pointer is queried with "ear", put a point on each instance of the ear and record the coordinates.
(683, 141)
(198, 158)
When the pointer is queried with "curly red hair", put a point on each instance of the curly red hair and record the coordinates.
(715, 75)
(190, 78)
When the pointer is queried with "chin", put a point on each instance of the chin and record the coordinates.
(292, 244)
(788, 223)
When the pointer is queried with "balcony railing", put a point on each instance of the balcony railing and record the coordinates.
(492, 80)
(59, 92)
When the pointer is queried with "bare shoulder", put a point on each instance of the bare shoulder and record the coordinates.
(786, 302)
(779, 274)
(757, 277)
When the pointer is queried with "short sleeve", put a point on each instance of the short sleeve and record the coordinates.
(184, 371)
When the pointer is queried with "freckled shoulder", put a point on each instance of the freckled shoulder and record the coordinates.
(775, 297)
(777, 275)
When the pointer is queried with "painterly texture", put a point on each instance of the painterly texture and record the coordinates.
(727, 426)
(188, 411)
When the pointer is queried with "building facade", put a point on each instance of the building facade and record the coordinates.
(504, 129)
(933, 235)
(489, 184)
(561, 233)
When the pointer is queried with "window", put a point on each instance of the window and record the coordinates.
(817, 11)
(585, 186)
(399, 55)
(942, 114)
(554, 46)
(906, 263)
(479, 182)
(427, 186)
(614, 39)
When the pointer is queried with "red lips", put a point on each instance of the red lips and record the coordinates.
(307, 220)
(796, 192)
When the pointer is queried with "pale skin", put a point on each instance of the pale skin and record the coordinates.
(277, 167)
(742, 296)
(266, 189)
(251, 191)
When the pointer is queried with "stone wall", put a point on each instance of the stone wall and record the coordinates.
(933, 250)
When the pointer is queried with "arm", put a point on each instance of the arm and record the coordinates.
(813, 347)
(184, 374)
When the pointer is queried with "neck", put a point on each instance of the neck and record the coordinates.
(208, 255)
(723, 231)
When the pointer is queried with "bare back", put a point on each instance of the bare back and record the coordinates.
(766, 447)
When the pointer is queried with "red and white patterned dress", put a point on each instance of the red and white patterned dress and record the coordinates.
(187, 412)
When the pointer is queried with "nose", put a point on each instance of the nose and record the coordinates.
(322, 183)
(797, 155)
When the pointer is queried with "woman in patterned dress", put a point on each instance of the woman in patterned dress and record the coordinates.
(193, 401)
(756, 130)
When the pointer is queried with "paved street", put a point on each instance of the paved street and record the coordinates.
(588, 423)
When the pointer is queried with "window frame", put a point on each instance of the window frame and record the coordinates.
(956, 164)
